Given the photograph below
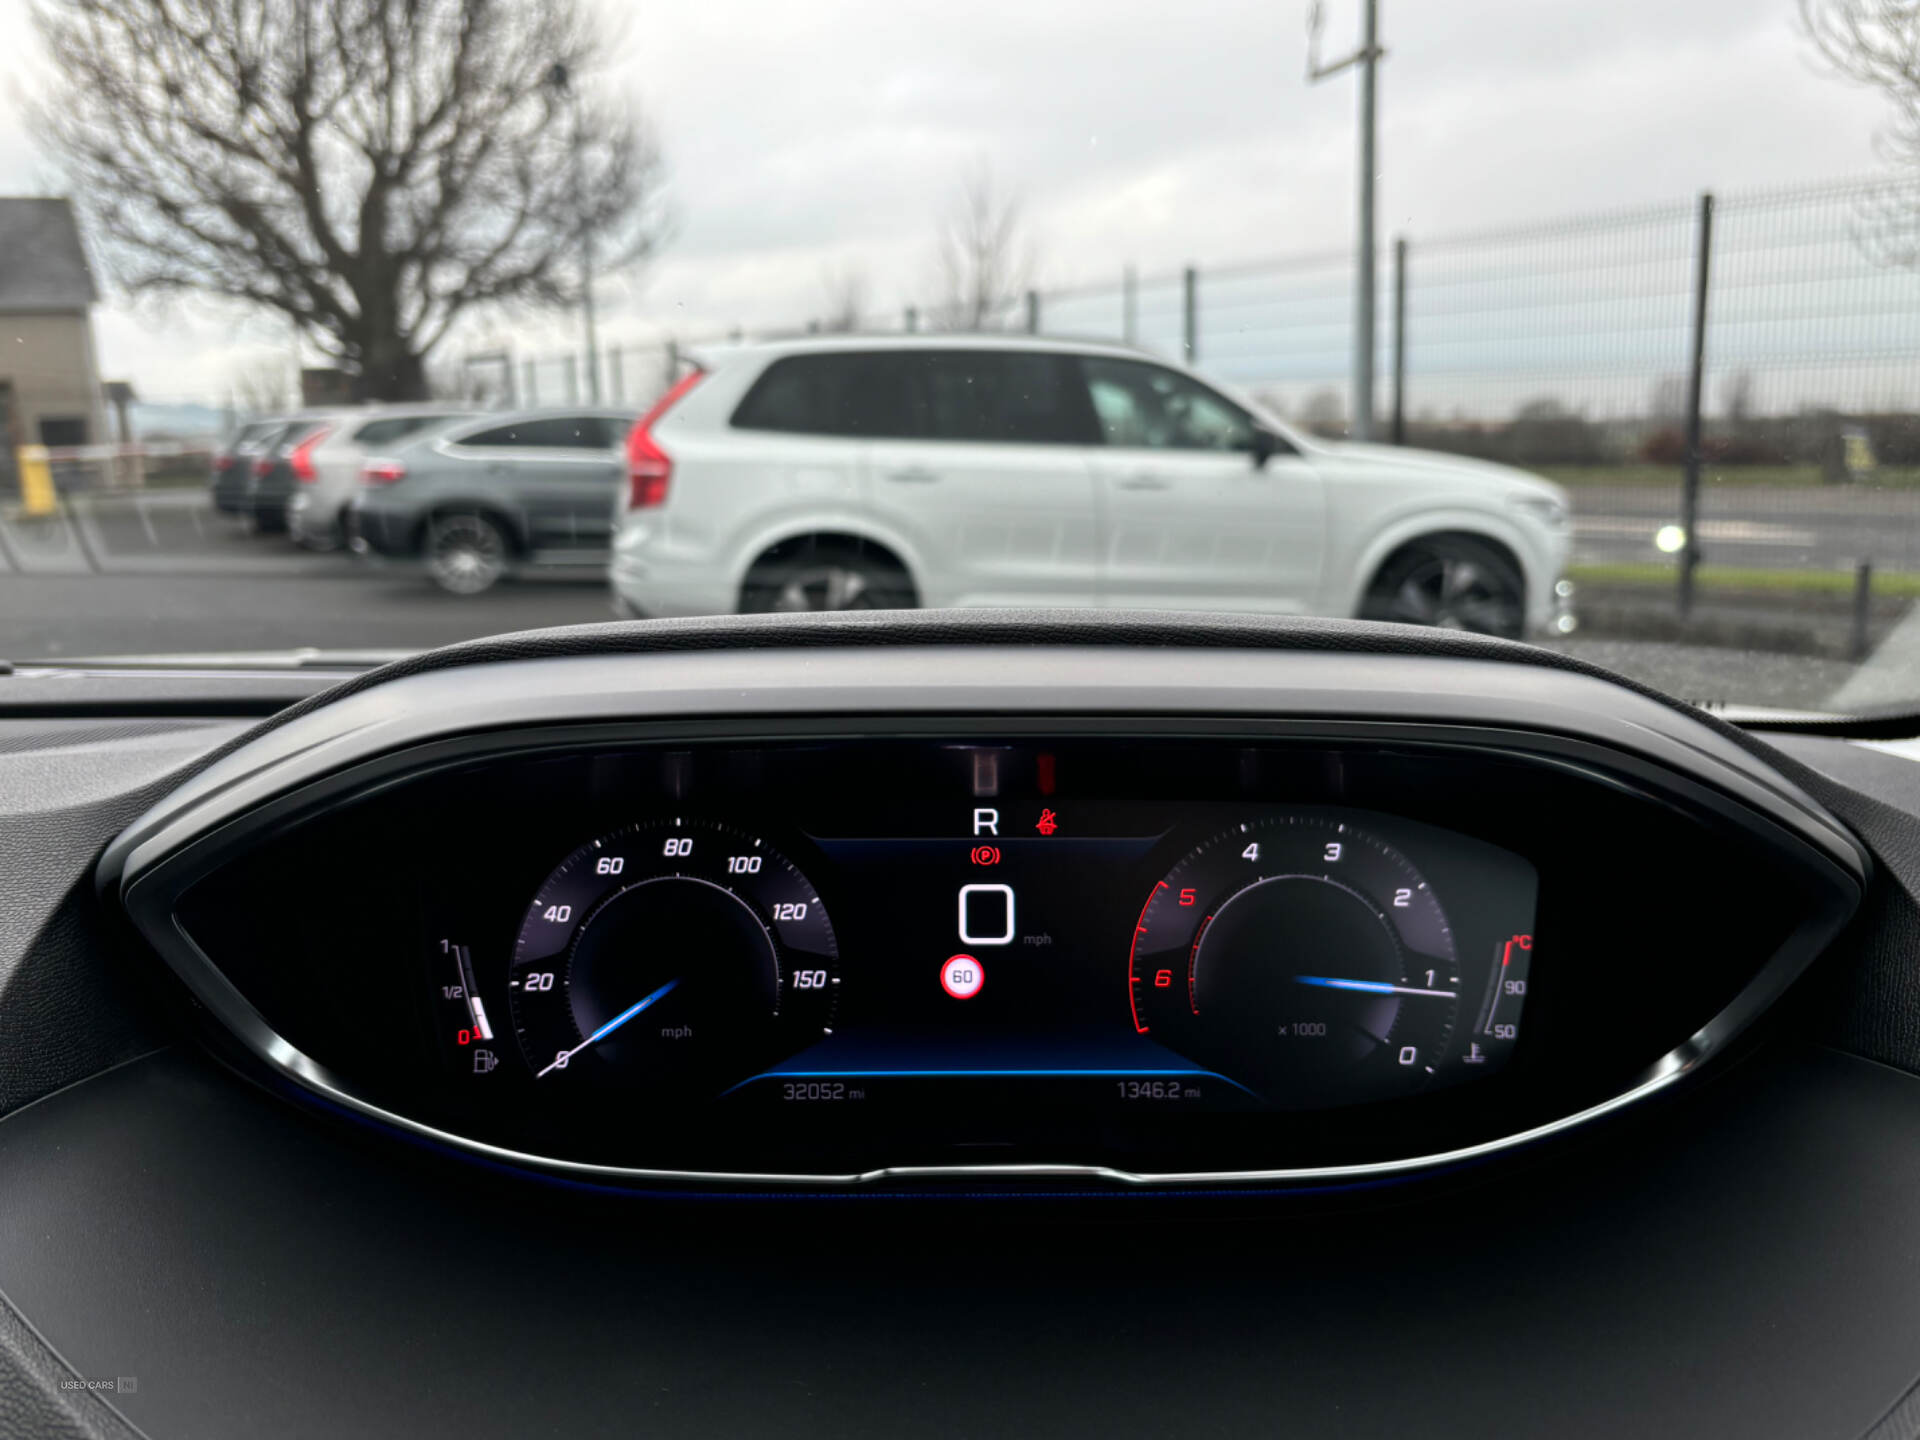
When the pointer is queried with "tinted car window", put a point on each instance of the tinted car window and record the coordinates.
(1149, 407)
(559, 432)
(303, 430)
(1006, 396)
(853, 394)
(395, 427)
(260, 437)
(249, 434)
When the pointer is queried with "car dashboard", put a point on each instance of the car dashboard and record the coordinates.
(962, 1022)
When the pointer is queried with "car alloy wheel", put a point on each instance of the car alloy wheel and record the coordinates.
(1451, 585)
(466, 553)
(824, 579)
(825, 587)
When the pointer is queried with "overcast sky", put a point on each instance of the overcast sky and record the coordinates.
(801, 138)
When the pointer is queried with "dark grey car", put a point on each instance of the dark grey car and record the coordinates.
(476, 499)
(232, 475)
(276, 468)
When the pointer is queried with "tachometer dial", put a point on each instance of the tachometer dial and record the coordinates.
(684, 952)
(1301, 955)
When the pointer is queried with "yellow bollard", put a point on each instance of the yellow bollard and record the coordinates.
(36, 481)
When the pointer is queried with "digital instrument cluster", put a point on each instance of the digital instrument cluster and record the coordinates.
(1292, 959)
(983, 949)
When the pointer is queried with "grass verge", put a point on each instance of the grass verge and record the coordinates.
(1787, 477)
(1904, 584)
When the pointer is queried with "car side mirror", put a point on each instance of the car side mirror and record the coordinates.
(1265, 446)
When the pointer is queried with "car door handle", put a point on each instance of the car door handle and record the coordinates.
(1145, 482)
(913, 475)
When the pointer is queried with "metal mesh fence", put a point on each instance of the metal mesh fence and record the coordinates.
(1562, 347)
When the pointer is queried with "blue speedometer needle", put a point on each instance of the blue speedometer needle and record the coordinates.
(1372, 987)
(560, 1060)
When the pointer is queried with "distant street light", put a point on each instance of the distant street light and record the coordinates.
(561, 83)
(1366, 281)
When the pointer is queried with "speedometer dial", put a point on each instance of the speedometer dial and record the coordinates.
(682, 953)
(1303, 956)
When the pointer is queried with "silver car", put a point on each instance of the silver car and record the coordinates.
(478, 499)
(316, 510)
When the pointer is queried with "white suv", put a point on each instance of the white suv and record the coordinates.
(895, 471)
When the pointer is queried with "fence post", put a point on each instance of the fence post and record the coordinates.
(570, 367)
(509, 390)
(1862, 609)
(617, 375)
(912, 319)
(1189, 314)
(533, 386)
(1033, 312)
(671, 356)
(1690, 479)
(1129, 305)
(1400, 340)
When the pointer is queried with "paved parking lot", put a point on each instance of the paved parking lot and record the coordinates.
(163, 572)
(162, 532)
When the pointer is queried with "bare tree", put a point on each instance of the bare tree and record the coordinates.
(375, 169)
(985, 259)
(261, 387)
(1738, 395)
(1324, 412)
(846, 290)
(1876, 43)
(1667, 400)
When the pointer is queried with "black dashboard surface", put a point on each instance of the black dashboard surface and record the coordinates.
(1739, 1255)
(1748, 1264)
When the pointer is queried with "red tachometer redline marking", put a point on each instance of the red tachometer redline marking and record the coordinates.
(1133, 980)
(1193, 963)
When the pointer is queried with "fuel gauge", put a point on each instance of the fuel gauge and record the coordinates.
(463, 1014)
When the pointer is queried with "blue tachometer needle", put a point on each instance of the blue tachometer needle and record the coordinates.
(1372, 987)
(560, 1060)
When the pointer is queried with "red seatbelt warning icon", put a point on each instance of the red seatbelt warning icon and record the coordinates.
(1048, 822)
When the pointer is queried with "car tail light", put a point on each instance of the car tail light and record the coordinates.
(223, 462)
(649, 468)
(382, 472)
(262, 466)
(301, 456)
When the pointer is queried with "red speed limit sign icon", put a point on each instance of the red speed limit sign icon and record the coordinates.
(962, 977)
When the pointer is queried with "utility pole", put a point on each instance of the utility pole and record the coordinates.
(1696, 382)
(562, 85)
(1365, 280)
(586, 305)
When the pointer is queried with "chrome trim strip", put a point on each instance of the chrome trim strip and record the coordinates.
(377, 735)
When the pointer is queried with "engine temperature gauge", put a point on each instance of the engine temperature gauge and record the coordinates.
(1497, 1025)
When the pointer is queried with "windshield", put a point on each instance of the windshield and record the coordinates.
(365, 325)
